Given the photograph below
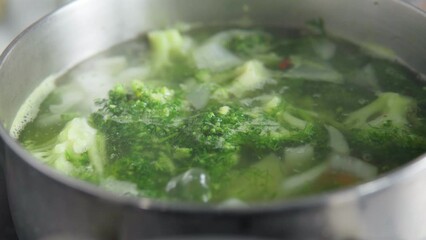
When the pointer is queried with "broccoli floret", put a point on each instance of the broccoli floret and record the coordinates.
(393, 77)
(138, 124)
(268, 134)
(217, 135)
(214, 136)
(170, 55)
(388, 107)
(140, 104)
(251, 76)
(296, 126)
(165, 138)
(275, 124)
(217, 127)
(381, 131)
(78, 139)
(389, 145)
(79, 150)
(160, 140)
(148, 172)
(164, 44)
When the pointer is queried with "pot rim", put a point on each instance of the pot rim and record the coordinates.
(402, 173)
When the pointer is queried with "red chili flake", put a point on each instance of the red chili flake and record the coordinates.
(285, 64)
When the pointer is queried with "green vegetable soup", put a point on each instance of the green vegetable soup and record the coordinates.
(229, 116)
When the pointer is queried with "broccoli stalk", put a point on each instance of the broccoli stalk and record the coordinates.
(164, 44)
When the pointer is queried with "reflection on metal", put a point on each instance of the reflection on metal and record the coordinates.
(418, 3)
(2, 8)
(16, 15)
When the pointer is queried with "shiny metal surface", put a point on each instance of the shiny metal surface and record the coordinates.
(418, 3)
(47, 205)
(16, 15)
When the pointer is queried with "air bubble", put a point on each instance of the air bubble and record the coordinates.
(192, 185)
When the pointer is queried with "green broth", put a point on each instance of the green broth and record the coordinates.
(224, 115)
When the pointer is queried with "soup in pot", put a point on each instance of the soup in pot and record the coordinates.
(226, 115)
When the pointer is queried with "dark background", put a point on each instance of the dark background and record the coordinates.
(7, 231)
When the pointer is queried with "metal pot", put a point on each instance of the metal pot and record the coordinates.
(47, 205)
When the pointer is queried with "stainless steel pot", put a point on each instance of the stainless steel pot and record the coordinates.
(48, 205)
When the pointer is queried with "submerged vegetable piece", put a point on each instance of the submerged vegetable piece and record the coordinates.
(164, 45)
(250, 43)
(382, 130)
(313, 71)
(232, 116)
(78, 150)
(257, 182)
(170, 55)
